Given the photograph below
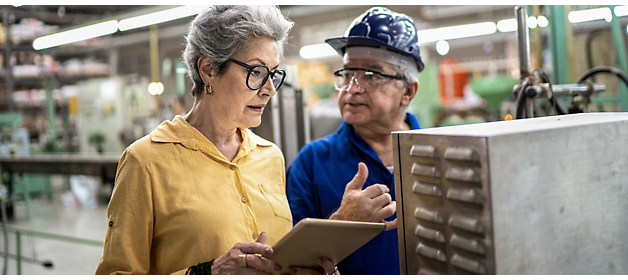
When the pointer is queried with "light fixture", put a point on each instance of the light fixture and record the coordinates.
(507, 25)
(621, 11)
(532, 22)
(75, 35)
(456, 32)
(317, 51)
(156, 88)
(590, 14)
(442, 47)
(159, 17)
(542, 21)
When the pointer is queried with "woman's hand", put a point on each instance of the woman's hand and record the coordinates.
(328, 267)
(249, 263)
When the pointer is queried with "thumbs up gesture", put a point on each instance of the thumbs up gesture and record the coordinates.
(373, 204)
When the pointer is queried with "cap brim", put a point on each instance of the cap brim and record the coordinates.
(339, 44)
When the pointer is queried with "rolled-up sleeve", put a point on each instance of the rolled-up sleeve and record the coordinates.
(127, 248)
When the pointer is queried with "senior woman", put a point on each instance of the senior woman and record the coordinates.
(202, 194)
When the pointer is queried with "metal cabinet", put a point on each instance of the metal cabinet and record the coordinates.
(533, 196)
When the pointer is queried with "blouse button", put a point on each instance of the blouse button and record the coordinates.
(243, 199)
(255, 235)
(232, 167)
(110, 223)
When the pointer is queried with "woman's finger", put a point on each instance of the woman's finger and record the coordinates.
(328, 266)
(261, 263)
(256, 248)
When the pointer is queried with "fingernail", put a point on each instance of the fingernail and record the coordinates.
(321, 260)
(278, 267)
(293, 271)
(268, 251)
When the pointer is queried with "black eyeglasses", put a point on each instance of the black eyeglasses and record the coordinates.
(258, 75)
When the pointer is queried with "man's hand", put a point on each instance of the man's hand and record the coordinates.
(373, 204)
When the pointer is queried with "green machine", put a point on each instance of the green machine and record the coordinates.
(14, 140)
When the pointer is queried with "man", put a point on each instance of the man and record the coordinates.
(378, 81)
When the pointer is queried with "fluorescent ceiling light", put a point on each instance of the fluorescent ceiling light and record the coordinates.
(589, 15)
(621, 11)
(75, 35)
(317, 51)
(507, 25)
(159, 17)
(456, 32)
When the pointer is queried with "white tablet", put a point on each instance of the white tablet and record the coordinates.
(312, 238)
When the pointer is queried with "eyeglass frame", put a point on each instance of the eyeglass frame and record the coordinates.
(270, 73)
(395, 77)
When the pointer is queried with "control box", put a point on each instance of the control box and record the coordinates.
(544, 195)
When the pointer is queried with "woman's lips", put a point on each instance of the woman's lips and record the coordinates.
(257, 108)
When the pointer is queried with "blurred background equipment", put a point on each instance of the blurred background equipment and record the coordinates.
(537, 84)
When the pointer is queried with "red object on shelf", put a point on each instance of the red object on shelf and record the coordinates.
(452, 77)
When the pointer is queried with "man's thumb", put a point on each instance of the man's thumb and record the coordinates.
(360, 178)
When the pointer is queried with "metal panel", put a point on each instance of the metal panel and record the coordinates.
(428, 205)
(551, 197)
(560, 200)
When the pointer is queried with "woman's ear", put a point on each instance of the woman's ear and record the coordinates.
(206, 69)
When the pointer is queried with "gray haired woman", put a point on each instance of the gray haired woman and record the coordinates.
(202, 194)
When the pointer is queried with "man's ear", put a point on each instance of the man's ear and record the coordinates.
(206, 70)
(410, 92)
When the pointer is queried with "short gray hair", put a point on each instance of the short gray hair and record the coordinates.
(219, 31)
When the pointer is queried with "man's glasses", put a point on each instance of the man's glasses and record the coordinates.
(258, 75)
(365, 78)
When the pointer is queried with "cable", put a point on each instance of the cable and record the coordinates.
(545, 78)
(604, 69)
(589, 40)
(521, 99)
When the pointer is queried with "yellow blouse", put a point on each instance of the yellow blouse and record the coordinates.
(178, 201)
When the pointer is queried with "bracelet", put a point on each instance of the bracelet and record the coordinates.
(204, 268)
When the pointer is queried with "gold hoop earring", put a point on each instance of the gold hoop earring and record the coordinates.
(208, 89)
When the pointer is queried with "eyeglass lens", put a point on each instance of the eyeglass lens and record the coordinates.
(364, 79)
(259, 74)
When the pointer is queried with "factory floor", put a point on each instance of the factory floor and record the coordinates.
(58, 215)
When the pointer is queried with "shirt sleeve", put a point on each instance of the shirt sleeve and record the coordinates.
(129, 235)
(300, 188)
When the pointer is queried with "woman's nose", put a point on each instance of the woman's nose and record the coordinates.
(269, 88)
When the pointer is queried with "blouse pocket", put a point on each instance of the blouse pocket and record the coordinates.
(278, 201)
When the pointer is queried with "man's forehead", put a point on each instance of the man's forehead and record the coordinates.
(372, 64)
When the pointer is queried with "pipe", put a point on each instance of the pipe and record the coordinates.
(523, 41)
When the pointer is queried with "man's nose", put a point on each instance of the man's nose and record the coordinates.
(353, 86)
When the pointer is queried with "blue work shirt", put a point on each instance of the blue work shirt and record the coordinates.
(316, 181)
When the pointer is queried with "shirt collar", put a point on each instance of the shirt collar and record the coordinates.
(180, 131)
